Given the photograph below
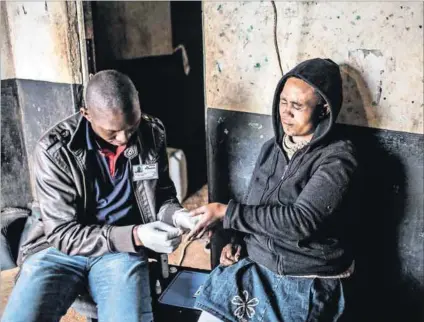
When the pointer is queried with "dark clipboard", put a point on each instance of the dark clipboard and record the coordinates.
(183, 289)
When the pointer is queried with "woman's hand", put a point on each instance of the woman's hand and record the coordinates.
(211, 214)
(230, 254)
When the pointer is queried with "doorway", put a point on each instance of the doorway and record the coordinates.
(139, 39)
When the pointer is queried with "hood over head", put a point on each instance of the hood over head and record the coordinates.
(324, 76)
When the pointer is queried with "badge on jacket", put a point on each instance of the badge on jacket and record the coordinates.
(145, 172)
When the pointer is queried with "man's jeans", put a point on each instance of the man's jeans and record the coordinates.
(49, 282)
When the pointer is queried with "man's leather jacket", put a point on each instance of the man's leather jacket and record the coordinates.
(64, 191)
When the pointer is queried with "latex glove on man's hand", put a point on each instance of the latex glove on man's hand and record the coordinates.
(184, 220)
(159, 236)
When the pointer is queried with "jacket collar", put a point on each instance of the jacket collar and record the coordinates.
(80, 142)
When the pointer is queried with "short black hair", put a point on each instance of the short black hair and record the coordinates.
(110, 90)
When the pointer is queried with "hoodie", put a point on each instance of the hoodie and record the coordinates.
(294, 217)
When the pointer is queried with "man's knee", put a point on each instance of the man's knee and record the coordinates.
(37, 264)
(122, 266)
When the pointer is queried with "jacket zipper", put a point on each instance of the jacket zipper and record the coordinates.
(282, 178)
(267, 181)
(83, 182)
(138, 202)
(286, 174)
(136, 194)
(290, 174)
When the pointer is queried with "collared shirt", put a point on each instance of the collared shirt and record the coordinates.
(114, 198)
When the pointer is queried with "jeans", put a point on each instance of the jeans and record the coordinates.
(247, 291)
(50, 280)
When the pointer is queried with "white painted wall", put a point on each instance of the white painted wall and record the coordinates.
(7, 65)
(378, 44)
(43, 41)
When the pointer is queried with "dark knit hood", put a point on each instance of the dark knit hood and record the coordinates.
(324, 76)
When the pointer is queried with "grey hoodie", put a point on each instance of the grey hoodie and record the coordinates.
(294, 216)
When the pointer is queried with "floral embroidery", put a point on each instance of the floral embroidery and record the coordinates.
(244, 306)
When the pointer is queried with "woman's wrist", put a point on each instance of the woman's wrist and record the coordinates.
(223, 211)
(136, 240)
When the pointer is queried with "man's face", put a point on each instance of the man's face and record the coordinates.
(298, 114)
(114, 127)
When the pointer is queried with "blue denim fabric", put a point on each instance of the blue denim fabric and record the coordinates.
(247, 291)
(50, 280)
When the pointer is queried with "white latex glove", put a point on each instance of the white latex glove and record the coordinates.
(182, 219)
(159, 236)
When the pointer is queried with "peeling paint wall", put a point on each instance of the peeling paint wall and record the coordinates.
(44, 40)
(41, 74)
(378, 45)
(132, 29)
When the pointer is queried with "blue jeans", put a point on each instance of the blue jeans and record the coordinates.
(249, 292)
(50, 280)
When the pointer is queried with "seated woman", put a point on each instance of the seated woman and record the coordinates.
(295, 217)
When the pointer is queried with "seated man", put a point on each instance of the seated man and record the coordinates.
(294, 216)
(103, 186)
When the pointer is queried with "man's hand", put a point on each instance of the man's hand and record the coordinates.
(211, 214)
(159, 236)
(182, 219)
(230, 254)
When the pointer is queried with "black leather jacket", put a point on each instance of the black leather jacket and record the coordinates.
(64, 191)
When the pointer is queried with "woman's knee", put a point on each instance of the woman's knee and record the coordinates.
(207, 317)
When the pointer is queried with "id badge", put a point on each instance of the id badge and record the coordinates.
(145, 172)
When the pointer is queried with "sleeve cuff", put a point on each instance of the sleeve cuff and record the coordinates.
(121, 239)
(228, 214)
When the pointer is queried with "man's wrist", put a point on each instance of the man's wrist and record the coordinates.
(136, 239)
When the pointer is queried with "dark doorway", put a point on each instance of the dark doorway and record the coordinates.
(166, 91)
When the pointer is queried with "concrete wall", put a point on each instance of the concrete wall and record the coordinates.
(132, 29)
(7, 65)
(41, 71)
(44, 41)
(379, 46)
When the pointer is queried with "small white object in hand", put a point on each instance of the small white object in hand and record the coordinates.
(158, 287)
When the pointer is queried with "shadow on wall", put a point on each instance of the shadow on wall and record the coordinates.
(383, 292)
(357, 98)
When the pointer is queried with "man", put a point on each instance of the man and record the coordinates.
(105, 197)
(294, 217)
